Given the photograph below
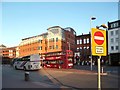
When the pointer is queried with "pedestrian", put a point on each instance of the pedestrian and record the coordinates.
(77, 59)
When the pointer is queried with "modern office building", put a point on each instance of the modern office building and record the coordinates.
(33, 45)
(114, 42)
(56, 39)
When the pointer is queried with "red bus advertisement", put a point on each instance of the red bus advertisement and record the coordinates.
(59, 60)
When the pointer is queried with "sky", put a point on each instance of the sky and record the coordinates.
(25, 19)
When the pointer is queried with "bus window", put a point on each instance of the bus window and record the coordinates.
(61, 62)
(69, 59)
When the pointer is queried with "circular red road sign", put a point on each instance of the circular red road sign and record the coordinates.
(99, 38)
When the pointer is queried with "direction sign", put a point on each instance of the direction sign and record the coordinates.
(98, 44)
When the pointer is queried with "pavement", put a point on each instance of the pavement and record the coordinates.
(77, 78)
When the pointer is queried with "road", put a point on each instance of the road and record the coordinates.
(56, 78)
(12, 78)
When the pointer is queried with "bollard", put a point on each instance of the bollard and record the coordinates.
(26, 76)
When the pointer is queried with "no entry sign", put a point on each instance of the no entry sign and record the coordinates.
(98, 44)
(99, 38)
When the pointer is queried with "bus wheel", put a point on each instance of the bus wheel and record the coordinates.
(25, 68)
(16, 67)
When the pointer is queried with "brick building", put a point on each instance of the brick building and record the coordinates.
(56, 39)
(83, 50)
(83, 47)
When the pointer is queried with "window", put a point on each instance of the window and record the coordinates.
(80, 41)
(117, 39)
(117, 47)
(87, 40)
(56, 46)
(77, 41)
(53, 39)
(116, 32)
(84, 41)
(87, 47)
(112, 40)
(80, 48)
(50, 47)
(39, 41)
(56, 39)
(112, 26)
(53, 47)
(111, 33)
(77, 49)
(112, 47)
(40, 48)
(84, 47)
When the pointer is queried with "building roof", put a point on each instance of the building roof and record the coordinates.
(2, 46)
(114, 24)
(35, 36)
(54, 27)
(83, 35)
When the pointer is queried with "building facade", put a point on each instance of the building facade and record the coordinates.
(83, 50)
(33, 45)
(56, 39)
(114, 42)
(9, 52)
(83, 47)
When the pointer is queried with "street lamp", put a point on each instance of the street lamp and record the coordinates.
(92, 18)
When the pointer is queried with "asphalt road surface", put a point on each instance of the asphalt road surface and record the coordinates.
(57, 78)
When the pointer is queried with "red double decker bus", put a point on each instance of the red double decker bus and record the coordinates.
(59, 60)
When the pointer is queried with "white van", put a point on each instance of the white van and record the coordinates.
(31, 62)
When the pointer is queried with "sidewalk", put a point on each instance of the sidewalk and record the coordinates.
(76, 78)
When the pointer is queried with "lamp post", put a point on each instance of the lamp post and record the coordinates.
(92, 18)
